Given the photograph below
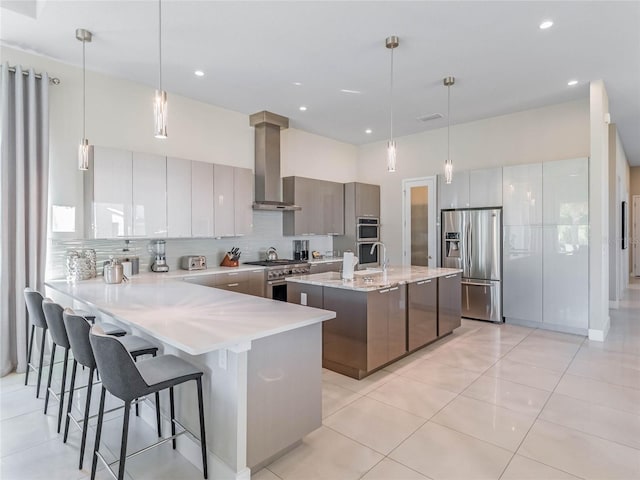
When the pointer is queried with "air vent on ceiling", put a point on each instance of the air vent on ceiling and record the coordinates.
(431, 116)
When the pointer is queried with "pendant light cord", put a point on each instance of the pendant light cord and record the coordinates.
(448, 123)
(391, 94)
(160, 41)
(84, 93)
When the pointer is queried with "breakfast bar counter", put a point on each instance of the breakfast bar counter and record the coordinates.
(261, 358)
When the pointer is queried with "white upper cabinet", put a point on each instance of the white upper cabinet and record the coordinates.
(522, 194)
(223, 201)
(243, 200)
(455, 194)
(565, 184)
(149, 195)
(178, 197)
(485, 187)
(201, 199)
(108, 194)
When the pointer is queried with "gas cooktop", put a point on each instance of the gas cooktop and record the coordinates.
(277, 263)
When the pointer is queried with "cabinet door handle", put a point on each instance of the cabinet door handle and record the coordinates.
(424, 281)
(451, 276)
(233, 284)
(232, 273)
(384, 291)
(393, 289)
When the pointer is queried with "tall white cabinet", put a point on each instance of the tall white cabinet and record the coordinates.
(178, 197)
(149, 195)
(545, 244)
(202, 199)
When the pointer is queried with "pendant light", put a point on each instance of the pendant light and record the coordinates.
(85, 151)
(160, 100)
(448, 165)
(391, 43)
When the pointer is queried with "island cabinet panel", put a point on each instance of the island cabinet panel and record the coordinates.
(326, 267)
(256, 283)
(422, 313)
(397, 322)
(303, 294)
(449, 305)
(378, 328)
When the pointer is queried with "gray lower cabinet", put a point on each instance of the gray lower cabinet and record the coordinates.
(449, 303)
(326, 267)
(368, 332)
(256, 283)
(422, 313)
(303, 294)
(249, 282)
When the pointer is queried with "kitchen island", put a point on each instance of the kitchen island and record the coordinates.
(261, 358)
(380, 316)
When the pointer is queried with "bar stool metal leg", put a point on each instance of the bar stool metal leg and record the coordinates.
(70, 401)
(46, 396)
(123, 445)
(158, 421)
(173, 417)
(62, 387)
(85, 423)
(203, 438)
(96, 445)
(26, 377)
(40, 363)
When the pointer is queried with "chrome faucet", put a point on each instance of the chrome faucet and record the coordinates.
(384, 254)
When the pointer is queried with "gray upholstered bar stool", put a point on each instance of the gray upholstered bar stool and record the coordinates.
(33, 299)
(128, 380)
(78, 328)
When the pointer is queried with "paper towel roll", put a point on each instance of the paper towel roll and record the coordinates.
(347, 265)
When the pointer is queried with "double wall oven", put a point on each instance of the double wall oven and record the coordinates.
(276, 273)
(367, 233)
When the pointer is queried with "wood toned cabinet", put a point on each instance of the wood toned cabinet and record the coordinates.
(422, 313)
(367, 200)
(248, 282)
(449, 307)
(322, 207)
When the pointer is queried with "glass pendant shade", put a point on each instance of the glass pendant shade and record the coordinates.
(160, 112)
(391, 156)
(448, 172)
(85, 155)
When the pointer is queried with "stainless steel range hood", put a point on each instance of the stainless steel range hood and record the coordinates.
(267, 161)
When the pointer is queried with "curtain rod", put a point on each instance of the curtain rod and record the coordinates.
(52, 80)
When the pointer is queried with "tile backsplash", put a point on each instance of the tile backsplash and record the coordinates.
(267, 232)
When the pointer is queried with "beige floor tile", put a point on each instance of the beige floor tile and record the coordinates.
(600, 393)
(525, 374)
(485, 421)
(328, 455)
(541, 357)
(557, 336)
(580, 454)
(464, 356)
(522, 468)
(409, 361)
(374, 424)
(387, 469)
(413, 396)
(18, 402)
(612, 359)
(264, 474)
(614, 425)
(363, 386)
(444, 454)
(493, 348)
(514, 396)
(334, 397)
(25, 431)
(607, 372)
(447, 377)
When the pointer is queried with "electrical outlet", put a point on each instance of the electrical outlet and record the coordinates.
(222, 358)
(303, 299)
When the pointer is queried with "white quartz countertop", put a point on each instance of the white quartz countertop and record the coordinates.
(191, 318)
(375, 279)
(325, 260)
(179, 274)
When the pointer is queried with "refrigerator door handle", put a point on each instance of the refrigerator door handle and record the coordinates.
(468, 249)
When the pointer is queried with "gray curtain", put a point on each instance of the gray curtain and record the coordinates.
(24, 173)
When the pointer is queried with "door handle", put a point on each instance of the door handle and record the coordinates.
(423, 282)
(384, 291)
(393, 289)
(454, 275)
(233, 285)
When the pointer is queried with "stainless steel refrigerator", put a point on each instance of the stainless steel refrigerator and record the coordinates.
(472, 241)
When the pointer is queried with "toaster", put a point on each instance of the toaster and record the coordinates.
(194, 262)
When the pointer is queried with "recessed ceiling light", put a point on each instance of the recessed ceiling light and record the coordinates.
(346, 90)
(297, 84)
(368, 131)
(571, 83)
(303, 108)
(546, 24)
(199, 73)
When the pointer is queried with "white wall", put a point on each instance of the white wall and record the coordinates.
(544, 134)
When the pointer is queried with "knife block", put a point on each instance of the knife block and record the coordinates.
(227, 262)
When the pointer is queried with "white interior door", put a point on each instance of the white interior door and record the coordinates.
(636, 235)
(419, 239)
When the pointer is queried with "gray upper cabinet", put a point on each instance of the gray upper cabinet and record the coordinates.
(322, 204)
(243, 200)
(367, 200)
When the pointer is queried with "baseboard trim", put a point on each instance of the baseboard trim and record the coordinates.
(600, 335)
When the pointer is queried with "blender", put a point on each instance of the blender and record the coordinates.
(160, 262)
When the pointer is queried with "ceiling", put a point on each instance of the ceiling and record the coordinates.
(253, 52)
